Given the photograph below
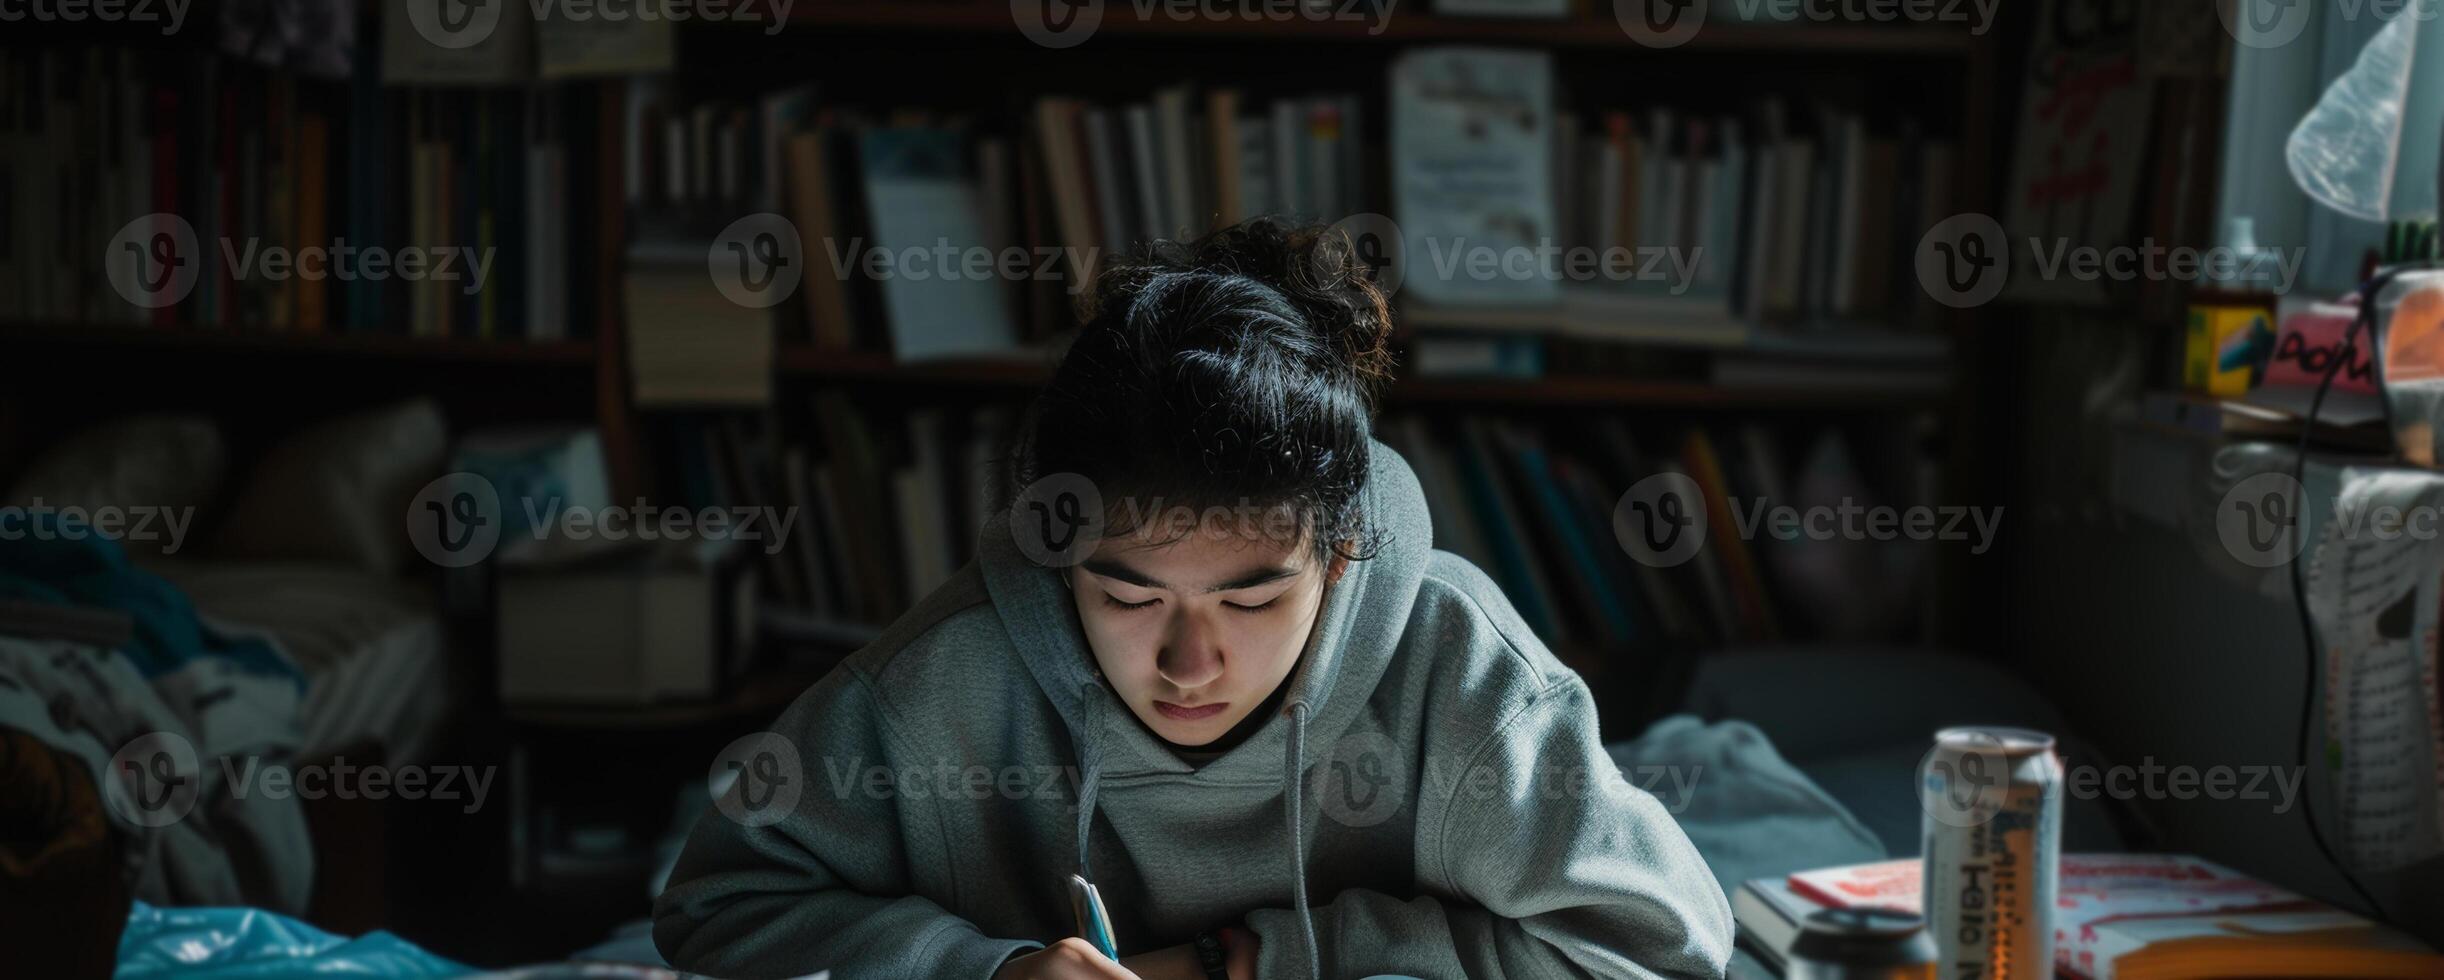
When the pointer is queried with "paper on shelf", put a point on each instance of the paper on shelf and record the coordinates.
(2373, 589)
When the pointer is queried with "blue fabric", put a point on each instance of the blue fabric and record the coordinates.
(64, 562)
(252, 944)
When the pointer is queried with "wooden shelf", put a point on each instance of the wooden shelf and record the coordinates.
(867, 366)
(573, 353)
(1402, 25)
(754, 698)
(1564, 390)
(1602, 391)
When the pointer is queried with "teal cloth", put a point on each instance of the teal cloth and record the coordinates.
(63, 562)
(252, 944)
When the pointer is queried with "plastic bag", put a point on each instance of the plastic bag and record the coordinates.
(2343, 153)
(246, 943)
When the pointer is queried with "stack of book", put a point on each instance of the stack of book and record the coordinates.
(2127, 917)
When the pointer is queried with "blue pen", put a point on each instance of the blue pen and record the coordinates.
(1094, 924)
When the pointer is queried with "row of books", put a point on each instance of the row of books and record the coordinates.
(888, 508)
(1538, 514)
(1789, 222)
(1716, 225)
(1026, 214)
(1186, 161)
(292, 187)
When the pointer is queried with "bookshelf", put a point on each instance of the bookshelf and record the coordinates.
(724, 68)
(814, 366)
(331, 346)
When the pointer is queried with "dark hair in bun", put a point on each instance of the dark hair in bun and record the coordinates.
(1240, 368)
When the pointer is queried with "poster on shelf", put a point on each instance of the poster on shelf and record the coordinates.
(2083, 135)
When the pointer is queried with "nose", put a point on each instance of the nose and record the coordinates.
(1192, 655)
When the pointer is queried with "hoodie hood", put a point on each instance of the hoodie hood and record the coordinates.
(1337, 671)
(1336, 675)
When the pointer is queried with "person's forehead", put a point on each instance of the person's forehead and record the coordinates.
(1199, 560)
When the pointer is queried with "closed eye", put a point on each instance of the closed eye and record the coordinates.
(1115, 603)
(1259, 607)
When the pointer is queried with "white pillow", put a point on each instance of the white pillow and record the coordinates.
(157, 471)
(337, 491)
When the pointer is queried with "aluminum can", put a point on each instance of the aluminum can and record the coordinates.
(1993, 851)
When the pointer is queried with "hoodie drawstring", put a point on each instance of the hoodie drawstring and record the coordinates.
(1090, 777)
(1291, 777)
(1090, 770)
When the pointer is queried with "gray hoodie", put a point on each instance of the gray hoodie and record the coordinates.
(1432, 800)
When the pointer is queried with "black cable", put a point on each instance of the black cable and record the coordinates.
(2366, 319)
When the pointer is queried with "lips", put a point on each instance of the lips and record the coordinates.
(1198, 713)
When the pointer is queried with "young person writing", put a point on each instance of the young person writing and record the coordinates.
(1304, 743)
